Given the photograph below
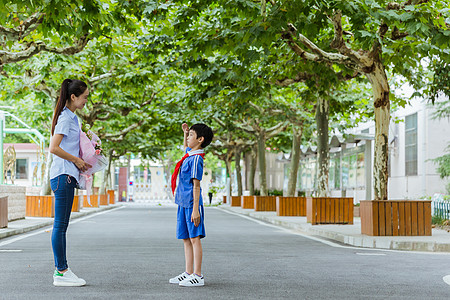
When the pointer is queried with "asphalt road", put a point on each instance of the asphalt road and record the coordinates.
(130, 253)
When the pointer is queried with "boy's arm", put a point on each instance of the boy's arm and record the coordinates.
(195, 217)
(185, 128)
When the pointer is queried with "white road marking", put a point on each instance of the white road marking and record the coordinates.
(446, 279)
(326, 242)
(13, 250)
(21, 237)
(371, 254)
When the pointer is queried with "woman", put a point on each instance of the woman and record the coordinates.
(65, 172)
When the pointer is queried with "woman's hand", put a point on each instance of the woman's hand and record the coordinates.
(195, 217)
(81, 164)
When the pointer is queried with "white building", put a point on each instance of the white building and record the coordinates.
(415, 138)
(28, 164)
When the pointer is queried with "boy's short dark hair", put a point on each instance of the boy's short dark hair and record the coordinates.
(204, 131)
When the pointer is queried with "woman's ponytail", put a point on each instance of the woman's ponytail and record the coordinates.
(68, 87)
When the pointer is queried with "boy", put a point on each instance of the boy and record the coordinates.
(190, 217)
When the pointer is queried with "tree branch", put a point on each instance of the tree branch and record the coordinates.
(95, 80)
(36, 47)
(122, 133)
(275, 130)
(358, 61)
(23, 30)
(300, 77)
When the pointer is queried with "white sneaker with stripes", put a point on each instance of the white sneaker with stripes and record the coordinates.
(179, 278)
(193, 280)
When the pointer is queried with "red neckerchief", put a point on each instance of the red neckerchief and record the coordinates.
(177, 169)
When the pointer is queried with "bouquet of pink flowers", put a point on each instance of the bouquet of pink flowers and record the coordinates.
(90, 152)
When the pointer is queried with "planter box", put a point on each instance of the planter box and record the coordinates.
(76, 203)
(235, 201)
(94, 201)
(248, 202)
(17, 201)
(327, 210)
(396, 217)
(104, 199)
(4, 212)
(111, 196)
(265, 203)
(291, 206)
(40, 206)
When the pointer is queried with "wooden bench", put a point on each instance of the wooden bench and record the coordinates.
(103, 199)
(327, 210)
(4, 212)
(396, 217)
(76, 203)
(94, 201)
(291, 206)
(265, 203)
(235, 201)
(111, 196)
(40, 206)
(248, 202)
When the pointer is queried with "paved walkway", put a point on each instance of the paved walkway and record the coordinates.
(131, 252)
(439, 241)
(33, 223)
(346, 234)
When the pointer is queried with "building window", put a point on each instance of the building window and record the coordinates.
(334, 176)
(411, 145)
(22, 168)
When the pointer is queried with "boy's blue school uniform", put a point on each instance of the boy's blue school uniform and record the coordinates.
(192, 168)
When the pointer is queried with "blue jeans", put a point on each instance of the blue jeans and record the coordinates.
(63, 187)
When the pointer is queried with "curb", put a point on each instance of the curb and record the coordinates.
(38, 223)
(403, 243)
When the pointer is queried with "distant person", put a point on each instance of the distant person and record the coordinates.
(210, 191)
(65, 172)
(188, 196)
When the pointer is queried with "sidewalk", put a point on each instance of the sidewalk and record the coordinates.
(33, 223)
(439, 241)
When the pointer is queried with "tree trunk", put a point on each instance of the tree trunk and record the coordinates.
(251, 176)
(380, 88)
(295, 161)
(262, 163)
(322, 114)
(237, 156)
(107, 175)
(228, 167)
(46, 188)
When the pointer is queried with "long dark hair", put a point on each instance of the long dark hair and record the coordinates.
(68, 87)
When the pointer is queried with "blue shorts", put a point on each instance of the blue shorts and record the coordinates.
(185, 228)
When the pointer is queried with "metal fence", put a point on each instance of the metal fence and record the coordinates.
(441, 208)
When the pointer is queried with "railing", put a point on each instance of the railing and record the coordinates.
(441, 208)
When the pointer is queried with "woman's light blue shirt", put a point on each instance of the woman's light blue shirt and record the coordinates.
(67, 125)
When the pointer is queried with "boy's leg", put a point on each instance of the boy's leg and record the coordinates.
(197, 254)
(189, 256)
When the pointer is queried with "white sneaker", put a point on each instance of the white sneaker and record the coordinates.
(179, 278)
(67, 279)
(193, 280)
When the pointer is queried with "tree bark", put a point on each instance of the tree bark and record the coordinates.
(322, 114)
(251, 176)
(262, 163)
(237, 156)
(46, 188)
(107, 175)
(228, 167)
(380, 89)
(295, 161)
